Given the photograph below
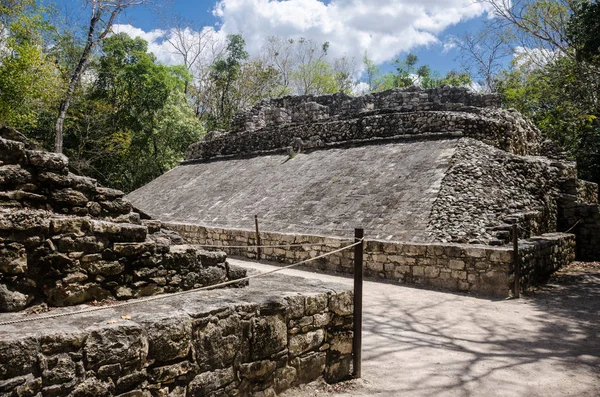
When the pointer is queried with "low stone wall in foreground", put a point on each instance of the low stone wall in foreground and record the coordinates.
(256, 341)
(478, 269)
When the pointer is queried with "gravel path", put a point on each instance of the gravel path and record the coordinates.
(425, 343)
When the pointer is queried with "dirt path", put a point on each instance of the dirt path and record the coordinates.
(426, 343)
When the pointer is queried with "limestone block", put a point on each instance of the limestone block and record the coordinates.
(13, 174)
(123, 342)
(418, 271)
(342, 304)
(216, 344)
(284, 378)
(315, 304)
(120, 232)
(134, 249)
(48, 160)
(455, 264)
(208, 382)
(169, 373)
(322, 320)
(18, 357)
(11, 301)
(105, 268)
(432, 271)
(309, 367)
(13, 259)
(257, 371)
(269, 336)
(302, 343)
(169, 338)
(295, 306)
(12, 151)
(93, 387)
(69, 197)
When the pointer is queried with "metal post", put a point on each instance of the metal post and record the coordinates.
(258, 249)
(358, 302)
(516, 260)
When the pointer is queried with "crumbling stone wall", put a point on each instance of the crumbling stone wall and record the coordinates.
(478, 269)
(256, 341)
(65, 240)
(307, 122)
(486, 190)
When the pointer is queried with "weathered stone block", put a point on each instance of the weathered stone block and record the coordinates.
(216, 344)
(48, 160)
(18, 357)
(207, 382)
(302, 343)
(455, 264)
(315, 304)
(169, 338)
(342, 304)
(309, 367)
(269, 336)
(123, 342)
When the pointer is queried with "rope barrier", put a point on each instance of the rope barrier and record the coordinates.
(157, 297)
(267, 246)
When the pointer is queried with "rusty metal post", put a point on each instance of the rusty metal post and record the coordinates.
(358, 303)
(258, 249)
(516, 260)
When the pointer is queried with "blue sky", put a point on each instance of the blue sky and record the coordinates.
(386, 29)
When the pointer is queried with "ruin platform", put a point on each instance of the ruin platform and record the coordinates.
(274, 334)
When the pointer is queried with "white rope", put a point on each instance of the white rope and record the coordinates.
(266, 246)
(164, 296)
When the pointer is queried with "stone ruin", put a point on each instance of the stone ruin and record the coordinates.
(438, 166)
(65, 240)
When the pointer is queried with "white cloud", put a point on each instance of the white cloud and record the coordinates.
(383, 28)
(159, 41)
(533, 58)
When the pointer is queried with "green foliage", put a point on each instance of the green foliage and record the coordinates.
(583, 31)
(134, 123)
(28, 79)
(561, 100)
(225, 72)
(408, 74)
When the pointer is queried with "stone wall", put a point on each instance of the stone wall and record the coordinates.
(256, 341)
(65, 240)
(486, 190)
(308, 109)
(306, 123)
(477, 269)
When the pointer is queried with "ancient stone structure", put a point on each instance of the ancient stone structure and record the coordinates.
(437, 166)
(474, 268)
(65, 240)
(259, 340)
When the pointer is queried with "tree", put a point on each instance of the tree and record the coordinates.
(536, 24)
(583, 31)
(224, 72)
(134, 123)
(103, 14)
(28, 77)
(484, 54)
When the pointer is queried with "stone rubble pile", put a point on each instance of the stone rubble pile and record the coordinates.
(65, 240)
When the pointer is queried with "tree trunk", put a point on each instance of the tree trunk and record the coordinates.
(89, 45)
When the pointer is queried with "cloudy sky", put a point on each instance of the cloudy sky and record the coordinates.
(384, 29)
